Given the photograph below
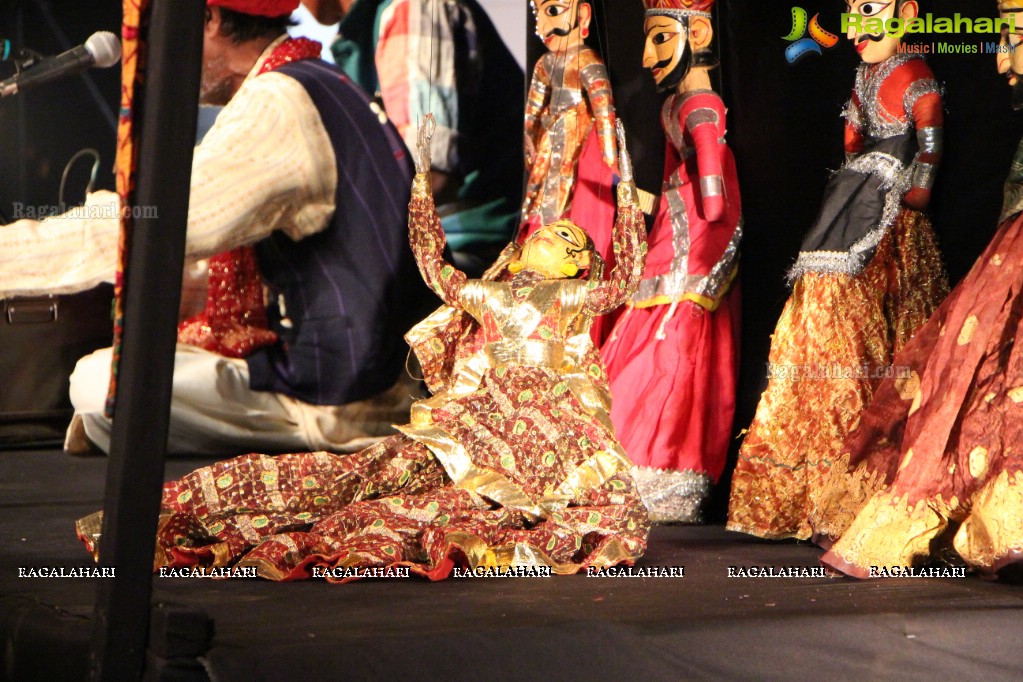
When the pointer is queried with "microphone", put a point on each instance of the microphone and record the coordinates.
(101, 50)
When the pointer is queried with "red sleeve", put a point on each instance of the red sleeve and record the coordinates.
(704, 117)
(912, 92)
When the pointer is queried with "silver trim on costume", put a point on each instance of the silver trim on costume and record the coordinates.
(853, 115)
(679, 273)
(672, 496)
(849, 262)
(880, 122)
(701, 116)
(679, 15)
(712, 186)
(567, 97)
(924, 86)
(931, 140)
(881, 165)
(669, 117)
(924, 174)
(679, 226)
(720, 275)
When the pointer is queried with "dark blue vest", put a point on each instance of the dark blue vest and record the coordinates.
(341, 299)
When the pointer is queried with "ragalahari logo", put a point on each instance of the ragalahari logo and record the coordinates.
(803, 46)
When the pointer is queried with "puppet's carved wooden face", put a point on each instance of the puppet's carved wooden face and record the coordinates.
(867, 32)
(666, 52)
(562, 24)
(555, 251)
(1010, 56)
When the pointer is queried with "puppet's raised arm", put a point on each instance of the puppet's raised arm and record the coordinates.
(426, 235)
(628, 241)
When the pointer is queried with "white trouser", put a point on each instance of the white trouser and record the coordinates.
(214, 412)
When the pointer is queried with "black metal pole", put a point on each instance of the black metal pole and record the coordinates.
(167, 113)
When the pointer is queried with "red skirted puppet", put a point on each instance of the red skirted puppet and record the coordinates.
(676, 345)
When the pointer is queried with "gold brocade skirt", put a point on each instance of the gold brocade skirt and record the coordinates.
(832, 346)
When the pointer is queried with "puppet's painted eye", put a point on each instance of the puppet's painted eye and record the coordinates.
(869, 9)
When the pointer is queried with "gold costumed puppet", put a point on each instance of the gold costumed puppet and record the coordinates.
(676, 345)
(867, 276)
(512, 463)
(936, 463)
(569, 126)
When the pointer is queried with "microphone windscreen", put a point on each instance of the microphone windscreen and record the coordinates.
(104, 47)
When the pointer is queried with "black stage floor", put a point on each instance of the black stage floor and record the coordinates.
(702, 626)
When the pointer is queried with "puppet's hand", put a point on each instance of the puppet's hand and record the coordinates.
(917, 198)
(713, 207)
(624, 160)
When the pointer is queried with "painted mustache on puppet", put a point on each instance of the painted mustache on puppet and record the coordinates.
(869, 36)
(663, 63)
(562, 32)
(681, 70)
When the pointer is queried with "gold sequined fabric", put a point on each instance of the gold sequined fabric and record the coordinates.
(832, 345)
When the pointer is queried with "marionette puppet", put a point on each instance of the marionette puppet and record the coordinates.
(935, 463)
(512, 463)
(672, 354)
(867, 276)
(569, 138)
